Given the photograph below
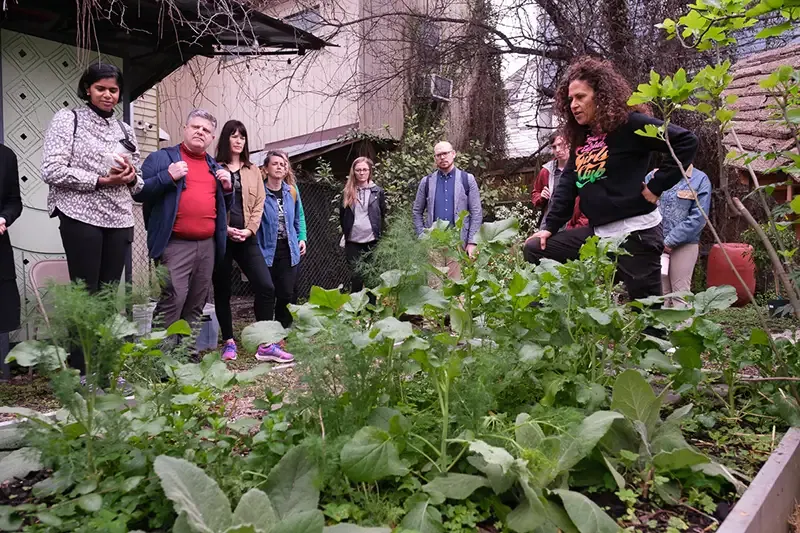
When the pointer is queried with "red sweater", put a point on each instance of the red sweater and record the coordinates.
(578, 218)
(197, 209)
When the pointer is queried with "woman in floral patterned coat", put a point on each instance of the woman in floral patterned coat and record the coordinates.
(90, 161)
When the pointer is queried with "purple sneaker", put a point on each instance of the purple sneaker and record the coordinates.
(229, 351)
(273, 353)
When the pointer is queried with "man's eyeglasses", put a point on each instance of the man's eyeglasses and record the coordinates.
(443, 154)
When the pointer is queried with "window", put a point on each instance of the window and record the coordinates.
(308, 20)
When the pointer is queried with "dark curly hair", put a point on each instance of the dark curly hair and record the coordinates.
(611, 93)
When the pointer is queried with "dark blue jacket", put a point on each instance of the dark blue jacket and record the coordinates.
(161, 195)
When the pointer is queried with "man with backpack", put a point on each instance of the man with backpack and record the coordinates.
(444, 194)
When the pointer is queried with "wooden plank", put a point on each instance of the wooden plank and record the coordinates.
(770, 500)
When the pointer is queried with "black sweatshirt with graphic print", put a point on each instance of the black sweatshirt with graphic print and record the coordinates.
(608, 173)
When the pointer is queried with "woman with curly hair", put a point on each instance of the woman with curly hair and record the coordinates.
(607, 167)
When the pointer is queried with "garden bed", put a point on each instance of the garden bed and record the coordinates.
(770, 503)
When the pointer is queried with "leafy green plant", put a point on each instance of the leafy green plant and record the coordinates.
(288, 503)
(654, 448)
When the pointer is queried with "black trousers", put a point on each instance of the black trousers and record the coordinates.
(96, 256)
(248, 256)
(354, 252)
(284, 278)
(640, 271)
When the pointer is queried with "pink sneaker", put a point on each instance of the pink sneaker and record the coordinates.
(273, 354)
(229, 351)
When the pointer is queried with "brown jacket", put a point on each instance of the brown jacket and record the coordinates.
(253, 196)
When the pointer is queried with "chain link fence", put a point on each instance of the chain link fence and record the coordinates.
(324, 263)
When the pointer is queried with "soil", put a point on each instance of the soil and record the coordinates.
(651, 518)
(24, 390)
(18, 491)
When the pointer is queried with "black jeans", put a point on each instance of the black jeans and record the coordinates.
(354, 252)
(248, 256)
(640, 271)
(95, 255)
(283, 277)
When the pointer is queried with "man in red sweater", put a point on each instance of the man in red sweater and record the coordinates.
(186, 195)
(546, 182)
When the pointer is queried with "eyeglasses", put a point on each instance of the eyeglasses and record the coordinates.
(443, 154)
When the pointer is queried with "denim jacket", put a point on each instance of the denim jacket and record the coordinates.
(682, 221)
(267, 235)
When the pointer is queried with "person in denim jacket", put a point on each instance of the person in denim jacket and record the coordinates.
(683, 223)
(278, 239)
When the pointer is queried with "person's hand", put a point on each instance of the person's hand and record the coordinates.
(649, 196)
(667, 250)
(178, 169)
(471, 250)
(542, 235)
(245, 234)
(126, 175)
(302, 248)
(225, 178)
(546, 193)
(233, 234)
(118, 176)
(3, 227)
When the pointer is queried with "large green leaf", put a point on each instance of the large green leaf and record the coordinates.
(358, 301)
(528, 434)
(415, 300)
(579, 442)
(394, 329)
(256, 509)
(456, 486)
(501, 232)
(715, 299)
(716, 469)
(20, 463)
(120, 327)
(181, 327)
(304, 522)
(194, 493)
(265, 332)
(496, 463)
(387, 419)
(529, 514)
(31, 353)
(558, 517)
(327, 299)
(352, 528)
(678, 459)
(423, 517)
(249, 376)
(91, 502)
(492, 454)
(9, 520)
(245, 528)
(371, 455)
(291, 483)
(585, 514)
(634, 397)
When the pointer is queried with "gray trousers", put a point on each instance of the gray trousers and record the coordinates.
(191, 267)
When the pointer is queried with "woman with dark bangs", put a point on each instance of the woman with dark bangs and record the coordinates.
(244, 219)
(607, 168)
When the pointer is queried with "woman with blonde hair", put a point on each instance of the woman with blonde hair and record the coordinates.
(362, 216)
